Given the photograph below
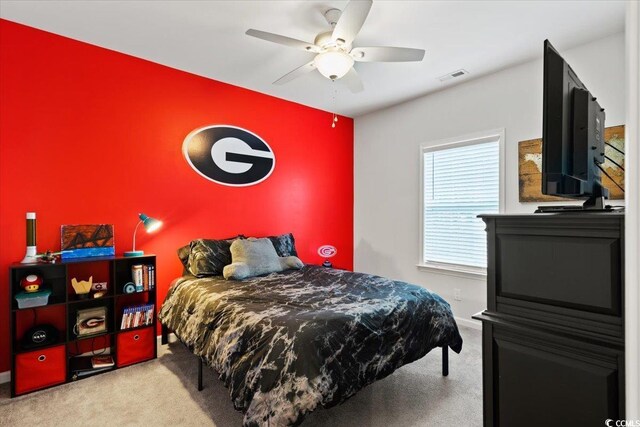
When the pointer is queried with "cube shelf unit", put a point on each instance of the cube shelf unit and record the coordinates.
(49, 365)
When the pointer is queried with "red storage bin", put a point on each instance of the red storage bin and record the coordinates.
(135, 346)
(40, 368)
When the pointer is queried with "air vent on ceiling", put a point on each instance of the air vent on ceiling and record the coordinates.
(453, 75)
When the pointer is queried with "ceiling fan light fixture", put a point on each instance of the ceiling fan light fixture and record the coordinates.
(334, 64)
(333, 49)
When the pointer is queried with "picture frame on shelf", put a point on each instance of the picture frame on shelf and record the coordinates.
(91, 321)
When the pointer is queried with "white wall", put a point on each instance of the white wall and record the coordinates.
(387, 163)
(632, 220)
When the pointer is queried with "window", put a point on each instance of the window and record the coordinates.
(461, 179)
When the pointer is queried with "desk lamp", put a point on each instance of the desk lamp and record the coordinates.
(150, 224)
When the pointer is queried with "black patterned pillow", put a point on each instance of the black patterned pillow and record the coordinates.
(183, 254)
(208, 257)
(285, 244)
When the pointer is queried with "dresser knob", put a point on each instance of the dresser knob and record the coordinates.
(136, 337)
(42, 358)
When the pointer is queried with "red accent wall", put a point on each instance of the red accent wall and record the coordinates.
(89, 135)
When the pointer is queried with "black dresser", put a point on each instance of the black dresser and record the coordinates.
(553, 335)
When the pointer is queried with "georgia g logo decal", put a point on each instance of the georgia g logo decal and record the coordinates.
(229, 155)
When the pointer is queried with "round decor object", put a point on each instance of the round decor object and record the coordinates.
(327, 251)
(229, 155)
(39, 335)
(129, 288)
(31, 283)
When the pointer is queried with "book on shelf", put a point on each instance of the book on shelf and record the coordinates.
(143, 277)
(152, 277)
(80, 374)
(135, 316)
(102, 361)
(81, 366)
(136, 275)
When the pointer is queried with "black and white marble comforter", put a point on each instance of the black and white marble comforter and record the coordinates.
(289, 342)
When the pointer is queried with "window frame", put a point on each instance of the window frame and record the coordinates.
(460, 270)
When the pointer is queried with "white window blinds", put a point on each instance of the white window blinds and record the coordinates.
(459, 183)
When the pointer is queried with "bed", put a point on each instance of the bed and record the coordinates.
(287, 343)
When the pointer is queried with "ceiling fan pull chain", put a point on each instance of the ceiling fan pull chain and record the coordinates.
(334, 116)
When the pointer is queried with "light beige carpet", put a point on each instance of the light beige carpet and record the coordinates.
(163, 393)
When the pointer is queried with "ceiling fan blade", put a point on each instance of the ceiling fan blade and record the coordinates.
(300, 71)
(351, 20)
(386, 54)
(283, 40)
(352, 79)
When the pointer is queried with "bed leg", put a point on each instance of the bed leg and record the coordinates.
(445, 361)
(164, 331)
(199, 374)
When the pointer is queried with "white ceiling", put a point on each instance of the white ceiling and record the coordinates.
(207, 38)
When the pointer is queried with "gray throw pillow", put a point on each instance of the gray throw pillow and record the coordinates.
(254, 257)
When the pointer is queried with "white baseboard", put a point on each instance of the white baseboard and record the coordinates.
(5, 377)
(469, 323)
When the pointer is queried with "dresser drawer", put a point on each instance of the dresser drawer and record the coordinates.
(576, 384)
(39, 369)
(135, 346)
(576, 272)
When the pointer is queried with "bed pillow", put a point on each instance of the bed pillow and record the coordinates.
(208, 257)
(254, 257)
(183, 254)
(285, 244)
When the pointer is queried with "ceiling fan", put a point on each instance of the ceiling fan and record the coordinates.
(334, 54)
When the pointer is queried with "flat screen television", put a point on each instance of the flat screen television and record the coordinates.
(572, 137)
